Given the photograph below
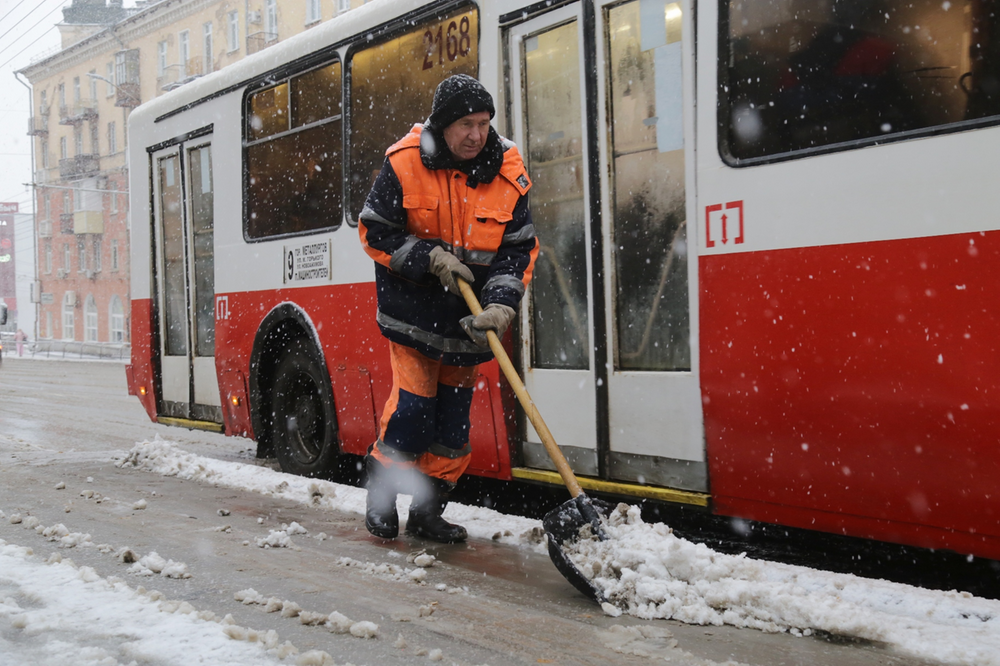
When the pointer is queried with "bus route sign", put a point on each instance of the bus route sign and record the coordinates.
(309, 261)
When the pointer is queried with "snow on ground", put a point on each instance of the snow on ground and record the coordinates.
(648, 572)
(69, 615)
(166, 458)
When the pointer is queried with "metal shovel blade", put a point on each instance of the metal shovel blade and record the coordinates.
(563, 525)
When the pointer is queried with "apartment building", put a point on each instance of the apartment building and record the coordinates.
(112, 59)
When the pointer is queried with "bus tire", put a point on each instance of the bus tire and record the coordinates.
(304, 421)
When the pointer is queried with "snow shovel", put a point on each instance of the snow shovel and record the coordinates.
(563, 523)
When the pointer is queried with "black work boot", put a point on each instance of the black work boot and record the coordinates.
(381, 518)
(425, 519)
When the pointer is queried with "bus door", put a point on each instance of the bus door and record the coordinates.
(549, 127)
(185, 281)
(607, 356)
(655, 427)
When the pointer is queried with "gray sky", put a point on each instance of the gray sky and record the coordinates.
(27, 31)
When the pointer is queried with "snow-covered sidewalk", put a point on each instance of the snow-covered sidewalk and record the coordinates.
(70, 615)
(650, 573)
(65, 613)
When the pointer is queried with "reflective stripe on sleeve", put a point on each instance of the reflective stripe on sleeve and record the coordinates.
(399, 256)
(525, 233)
(368, 213)
(507, 282)
(449, 345)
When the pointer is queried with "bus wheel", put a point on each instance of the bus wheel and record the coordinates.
(304, 421)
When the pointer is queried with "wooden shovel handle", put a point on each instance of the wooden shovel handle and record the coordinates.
(523, 397)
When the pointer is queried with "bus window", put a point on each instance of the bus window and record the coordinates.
(802, 74)
(294, 166)
(202, 225)
(172, 233)
(316, 95)
(392, 87)
(649, 222)
(268, 112)
(553, 98)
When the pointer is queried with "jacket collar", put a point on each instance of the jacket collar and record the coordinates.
(482, 168)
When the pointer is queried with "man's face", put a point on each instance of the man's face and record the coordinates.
(466, 137)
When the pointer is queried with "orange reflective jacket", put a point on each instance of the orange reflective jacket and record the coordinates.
(470, 222)
(413, 208)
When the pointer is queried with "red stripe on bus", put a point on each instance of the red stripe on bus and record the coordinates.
(857, 379)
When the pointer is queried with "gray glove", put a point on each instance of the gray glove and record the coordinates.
(446, 266)
(496, 317)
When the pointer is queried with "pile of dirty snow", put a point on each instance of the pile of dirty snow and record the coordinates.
(649, 572)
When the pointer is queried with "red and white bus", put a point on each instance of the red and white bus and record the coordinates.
(770, 261)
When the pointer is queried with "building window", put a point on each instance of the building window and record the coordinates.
(67, 208)
(95, 143)
(45, 153)
(81, 250)
(112, 139)
(161, 58)
(63, 150)
(114, 252)
(184, 50)
(313, 11)
(69, 326)
(109, 74)
(47, 206)
(343, 5)
(43, 108)
(116, 319)
(48, 256)
(209, 48)
(271, 20)
(62, 94)
(93, 85)
(78, 140)
(98, 250)
(233, 31)
(76, 88)
(113, 197)
(90, 320)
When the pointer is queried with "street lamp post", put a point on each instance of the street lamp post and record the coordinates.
(115, 85)
(128, 231)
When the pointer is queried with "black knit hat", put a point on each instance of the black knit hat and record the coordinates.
(456, 97)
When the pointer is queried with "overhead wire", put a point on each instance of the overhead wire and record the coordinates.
(19, 193)
(11, 59)
(39, 6)
(12, 10)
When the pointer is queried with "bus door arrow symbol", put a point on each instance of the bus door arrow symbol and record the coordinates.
(222, 307)
(720, 223)
(714, 208)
